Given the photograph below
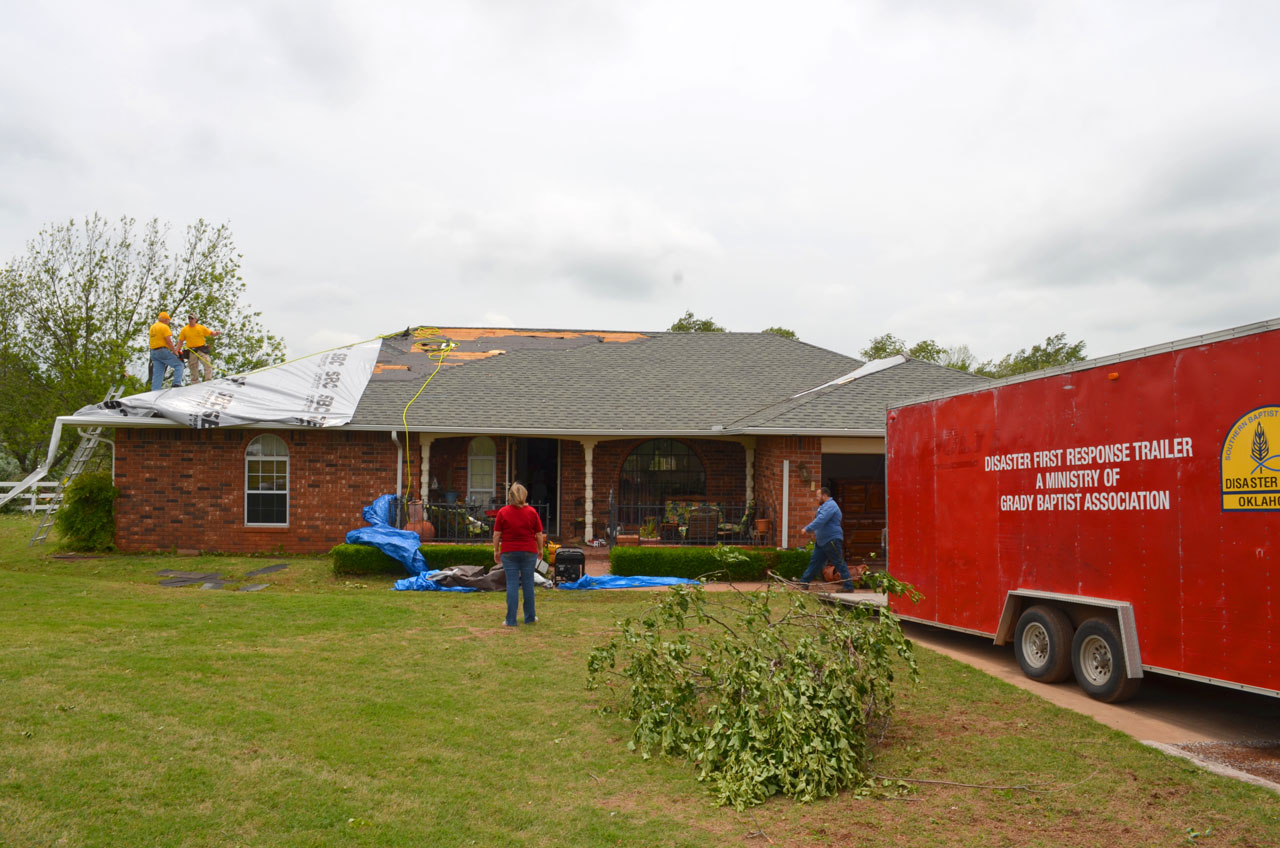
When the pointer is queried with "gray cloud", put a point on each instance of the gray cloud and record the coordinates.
(1210, 219)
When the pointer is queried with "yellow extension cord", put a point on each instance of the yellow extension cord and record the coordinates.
(431, 334)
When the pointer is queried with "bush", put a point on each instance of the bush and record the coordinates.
(763, 692)
(87, 517)
(692, 563)
(354, 560)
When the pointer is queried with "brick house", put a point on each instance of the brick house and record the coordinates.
(633, 433)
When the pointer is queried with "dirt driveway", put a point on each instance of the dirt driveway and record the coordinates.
(1222, 729)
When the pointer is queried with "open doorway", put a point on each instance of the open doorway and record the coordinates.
(857, 483)
(536, 464)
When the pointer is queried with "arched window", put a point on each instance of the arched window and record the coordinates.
(660, 469)
(482, 470)
(266, 481)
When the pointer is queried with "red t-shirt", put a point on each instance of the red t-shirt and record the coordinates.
(518, 526)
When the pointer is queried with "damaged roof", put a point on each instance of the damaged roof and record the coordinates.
(588, 381)
(860, 403)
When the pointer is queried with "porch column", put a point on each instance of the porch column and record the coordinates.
(749, 445)
(424, 481)
(588, 448)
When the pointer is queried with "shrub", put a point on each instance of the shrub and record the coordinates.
(652, 561)
(355, 560)
(87, 517)
(764, 692)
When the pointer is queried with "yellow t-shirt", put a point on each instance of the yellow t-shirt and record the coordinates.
(159, 332)
(193, 336)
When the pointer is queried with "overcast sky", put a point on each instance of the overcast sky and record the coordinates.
(981, 173)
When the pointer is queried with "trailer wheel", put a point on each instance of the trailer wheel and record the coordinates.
(1042, 644)
(1097, 657)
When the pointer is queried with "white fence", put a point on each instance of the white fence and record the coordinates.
(36, 499)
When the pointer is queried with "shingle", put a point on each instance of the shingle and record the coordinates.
(659, 382)
(861, 404)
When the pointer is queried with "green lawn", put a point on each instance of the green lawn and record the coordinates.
(331, 712)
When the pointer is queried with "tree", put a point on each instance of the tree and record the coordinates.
(958, 357)
(782, 331)
(78, 305)
(883, 347)
(688, 324)
(1054, 351)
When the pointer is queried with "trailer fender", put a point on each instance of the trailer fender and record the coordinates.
(1079, 608)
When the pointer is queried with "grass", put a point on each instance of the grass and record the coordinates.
(323, 711)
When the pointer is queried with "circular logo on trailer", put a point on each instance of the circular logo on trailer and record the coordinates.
(1251, 462)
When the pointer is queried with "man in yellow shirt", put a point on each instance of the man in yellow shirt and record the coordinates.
(193, 337)
(164, 354)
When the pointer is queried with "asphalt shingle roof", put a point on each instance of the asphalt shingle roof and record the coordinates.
(583, 381)
(861, 403)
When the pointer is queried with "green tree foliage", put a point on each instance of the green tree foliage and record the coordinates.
(689, 324)
(87, 517)
(78, 305)
(764, 693)
(1055, 351)
(883, 347)
(782, 331)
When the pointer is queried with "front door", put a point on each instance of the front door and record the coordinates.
(537, 465)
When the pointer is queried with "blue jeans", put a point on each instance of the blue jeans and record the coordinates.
(518, 566)
(162, 358)
(822, 554)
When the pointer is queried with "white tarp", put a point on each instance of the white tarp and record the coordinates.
(320, 390)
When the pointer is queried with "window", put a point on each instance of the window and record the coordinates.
(482, 470)
(659, 469)
(266, 488)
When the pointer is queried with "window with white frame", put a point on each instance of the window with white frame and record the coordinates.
(266, 488)
(482, 470)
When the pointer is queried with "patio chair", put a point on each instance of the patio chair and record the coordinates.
(704, 521)
(742, 529)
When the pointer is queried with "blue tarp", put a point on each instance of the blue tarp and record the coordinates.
(400, 545)
(610, 581)
(424, 583)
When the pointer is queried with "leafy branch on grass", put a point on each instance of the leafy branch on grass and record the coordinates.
(766, 692)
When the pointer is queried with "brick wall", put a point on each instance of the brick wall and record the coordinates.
(184, 489)
(770, 452)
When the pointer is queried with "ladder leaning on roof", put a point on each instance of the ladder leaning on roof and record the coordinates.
(89, 440)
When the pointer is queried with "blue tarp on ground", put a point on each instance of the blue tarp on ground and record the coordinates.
(424, 583)
(611, 581)
(400, 545)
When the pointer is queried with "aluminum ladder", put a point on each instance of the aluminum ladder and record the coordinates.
(89, 441)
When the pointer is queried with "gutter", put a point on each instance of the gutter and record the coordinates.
(40, 472)
(702, 433)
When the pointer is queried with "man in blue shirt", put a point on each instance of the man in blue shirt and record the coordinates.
(828, 541)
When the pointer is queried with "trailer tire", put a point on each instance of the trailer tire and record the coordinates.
(1042, 644)
(1097, 658)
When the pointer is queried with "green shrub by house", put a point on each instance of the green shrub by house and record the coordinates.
(355, 560)
(87, 518)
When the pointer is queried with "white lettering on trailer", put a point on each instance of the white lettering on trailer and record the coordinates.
(1110, 455)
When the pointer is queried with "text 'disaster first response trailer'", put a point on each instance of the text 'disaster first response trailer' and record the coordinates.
(1107, 518)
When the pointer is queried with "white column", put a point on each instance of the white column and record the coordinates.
(786, 500)
(749, 447)
(588, 448)
(424, 482)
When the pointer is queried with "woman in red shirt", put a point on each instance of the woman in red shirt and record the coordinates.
(517, 543)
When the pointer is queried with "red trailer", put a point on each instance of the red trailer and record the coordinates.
(1110, 518)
